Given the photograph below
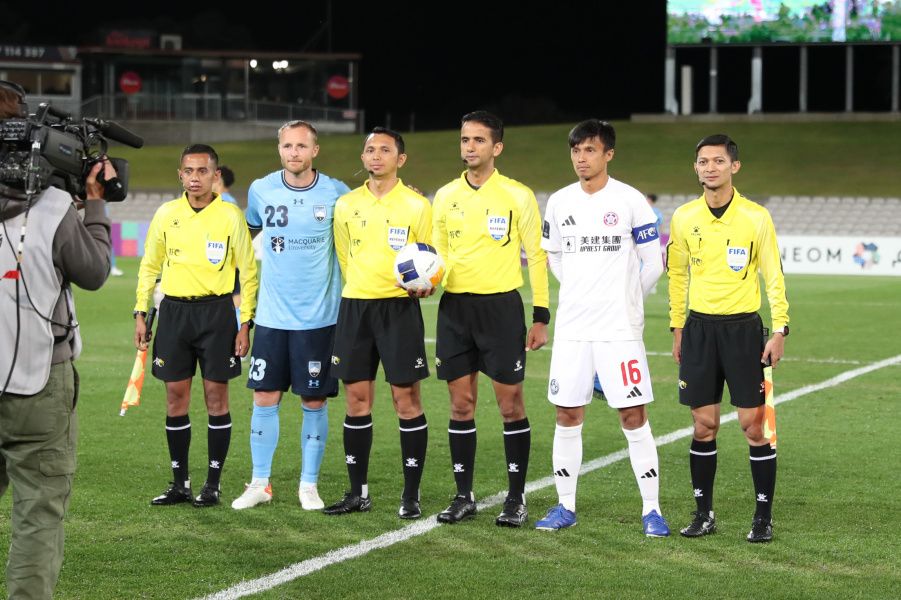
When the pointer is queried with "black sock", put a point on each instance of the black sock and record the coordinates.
(702, 461)
(357, 445)
(763, 472)
(178, 436)
(218, 438)
(414, 438)
(462, 438)
(517, 441)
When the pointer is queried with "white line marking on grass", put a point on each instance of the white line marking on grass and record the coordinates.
(819, 361)
(824, 361)
(300, 569)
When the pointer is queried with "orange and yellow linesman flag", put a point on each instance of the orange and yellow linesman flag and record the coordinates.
(135, 384)
(136, 381)
(769, 419)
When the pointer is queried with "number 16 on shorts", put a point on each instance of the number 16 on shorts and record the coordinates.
(621, 367)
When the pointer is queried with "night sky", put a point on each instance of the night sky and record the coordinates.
(530, 65)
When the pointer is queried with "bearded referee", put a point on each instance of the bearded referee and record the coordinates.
(481, 221)
(197, 241)
(718, 245)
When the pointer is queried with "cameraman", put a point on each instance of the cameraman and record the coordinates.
(39, 339)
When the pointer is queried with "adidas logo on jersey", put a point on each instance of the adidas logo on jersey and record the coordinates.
(569, 221)
(635, 393)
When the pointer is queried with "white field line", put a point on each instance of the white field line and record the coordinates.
(822, 361)
(339, 555)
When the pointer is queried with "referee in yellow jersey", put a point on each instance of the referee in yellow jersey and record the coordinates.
(378, 321)
(718, 244)
(197, 241)
(481, 221)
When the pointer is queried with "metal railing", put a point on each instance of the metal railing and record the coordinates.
(197, 107)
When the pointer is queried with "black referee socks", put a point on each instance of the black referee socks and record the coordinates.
(763, 472)
(357, 446)
(517, 443)
(219, 435)
(414, 439)
(178, 438)
(702, 461)
(462, 438)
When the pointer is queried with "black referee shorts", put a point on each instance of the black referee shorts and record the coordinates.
(389, 330)
(481, 332)
(718, 349)
(199, 330)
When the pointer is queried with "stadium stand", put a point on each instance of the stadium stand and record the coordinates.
(793, 215)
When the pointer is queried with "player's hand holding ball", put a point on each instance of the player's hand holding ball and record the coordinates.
(419, 269)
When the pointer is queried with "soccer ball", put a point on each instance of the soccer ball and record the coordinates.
(418, 267)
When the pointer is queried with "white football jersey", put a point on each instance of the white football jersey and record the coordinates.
(596, 234)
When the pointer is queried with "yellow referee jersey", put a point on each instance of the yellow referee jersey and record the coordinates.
(198, 253)
(369, 232)
(480, 232)
(715, 261)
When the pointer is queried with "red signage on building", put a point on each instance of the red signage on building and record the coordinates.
(338, 87)
(122, 38)
(130, 82)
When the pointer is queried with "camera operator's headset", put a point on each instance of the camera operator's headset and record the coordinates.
(18, 274)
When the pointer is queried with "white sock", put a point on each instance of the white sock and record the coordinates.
(365, 493)
(567, 459)
(643, 455)
(259, 482)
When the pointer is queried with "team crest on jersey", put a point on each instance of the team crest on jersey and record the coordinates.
(497, 227)
(314, 367)
(611, 219)
(736, 257)
(215, 252)
(277, 244)
(319, 213)
(397, 237)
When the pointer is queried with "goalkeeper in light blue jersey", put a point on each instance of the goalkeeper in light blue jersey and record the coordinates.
(300, 289)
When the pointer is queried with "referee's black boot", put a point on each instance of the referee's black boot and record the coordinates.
(702, 524)
(513, 515)
(208, 496)
(176, 494)
(761, 530)
(409, 509)
(461, 507)
(348, 504)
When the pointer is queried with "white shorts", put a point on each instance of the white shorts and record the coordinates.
(622, 368)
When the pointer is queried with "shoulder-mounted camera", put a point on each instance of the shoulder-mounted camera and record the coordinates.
(50, 148)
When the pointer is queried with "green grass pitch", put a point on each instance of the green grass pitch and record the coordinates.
(828, 158)
(836, 517)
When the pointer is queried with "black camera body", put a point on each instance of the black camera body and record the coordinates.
(49, 148)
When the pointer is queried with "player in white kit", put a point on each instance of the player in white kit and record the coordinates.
(602, 244)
